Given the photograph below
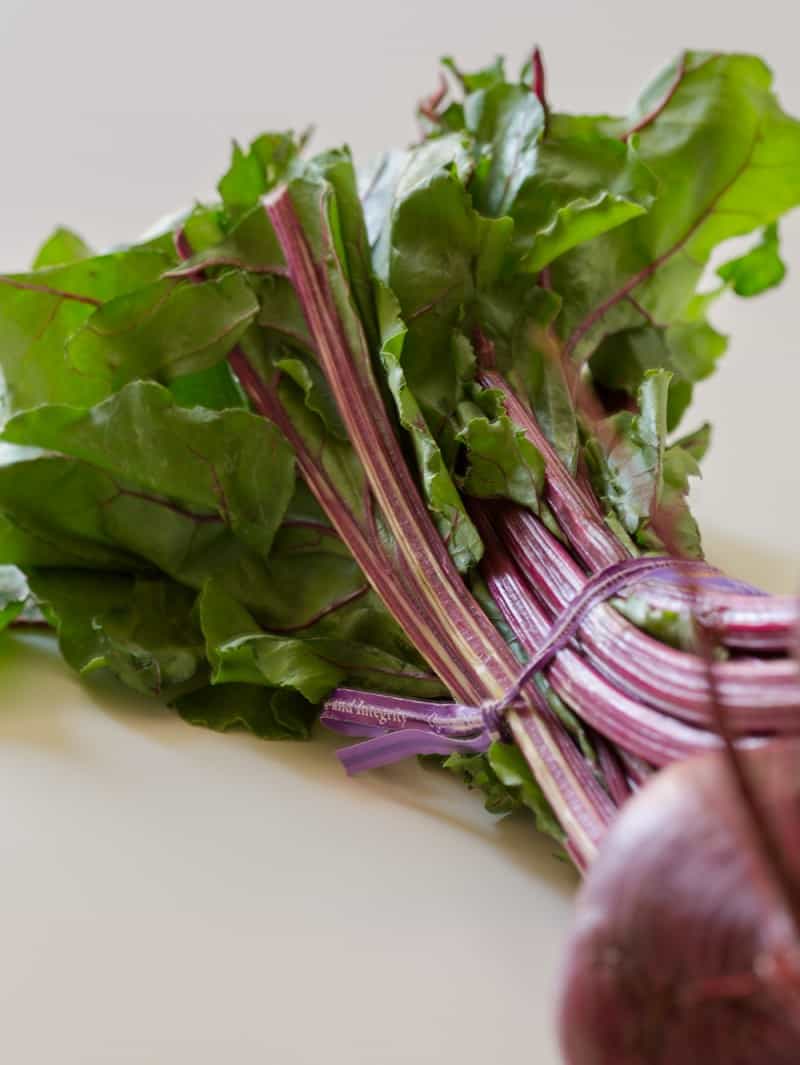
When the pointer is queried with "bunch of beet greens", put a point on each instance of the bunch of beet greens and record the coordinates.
(375, 439)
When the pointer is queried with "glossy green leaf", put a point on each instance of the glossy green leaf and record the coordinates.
(696, 443)
(507, 122)
(510, 767)
(280, 312)
(727, 160)
(502, 462)
(61, 247)
(269, 713)
(517, 317)
(377, 188)
(759, 269)
(304, 396)
(241, 652)
(215, 389)
(164, 330)
(203, 227)
(140, 629)
(71, 600)
(585, 183)
(641, 478)
(305, 371)
(233, 464)
(441, 495)
(483, 78)
(40, 312)
(452, 153)
(55, 512)
(250, 244)
(253, 172)
(476, 772)
(59, 512)
(562, 189)
(335, 169)
(325, 201)
(635, 464)
(443, 253)
(688, 350)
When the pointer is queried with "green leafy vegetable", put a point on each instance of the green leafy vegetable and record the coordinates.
(141, 629)
(443, 499)
(240, 652)
(443, 254)
(688, 350)
(476, 771)
(271, 714)
(640, 476)
(253, 458)
(502, 462)
(61, 247)
(759, 269)
(507, 122)
(514, 773)
(232, 464)
(40, 312)
(585, 184)
(163, 330)
(254, 172)
(727, 161)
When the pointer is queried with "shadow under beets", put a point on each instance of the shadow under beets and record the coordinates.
(431, 791)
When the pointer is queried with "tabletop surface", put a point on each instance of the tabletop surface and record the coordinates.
(173, 895)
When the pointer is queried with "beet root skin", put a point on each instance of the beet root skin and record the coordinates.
(682, 952)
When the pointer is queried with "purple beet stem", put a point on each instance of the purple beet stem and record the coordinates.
(426, 573)
(759, 695)
(644, 731)
(740, 615)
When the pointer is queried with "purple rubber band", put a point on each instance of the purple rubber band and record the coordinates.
(357, 713)
(398, 728)
(405, 743)
(595, 591)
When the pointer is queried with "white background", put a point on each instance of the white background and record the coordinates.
(174, 896)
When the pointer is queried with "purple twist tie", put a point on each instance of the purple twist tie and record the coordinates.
(399, 728)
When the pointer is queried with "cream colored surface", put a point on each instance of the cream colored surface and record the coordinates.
(173, 896)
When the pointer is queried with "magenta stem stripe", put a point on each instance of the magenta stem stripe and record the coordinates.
(436, 647)
(47, 290)
(741, 620)
(651, 116)
(489, 663)
(595, 591)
